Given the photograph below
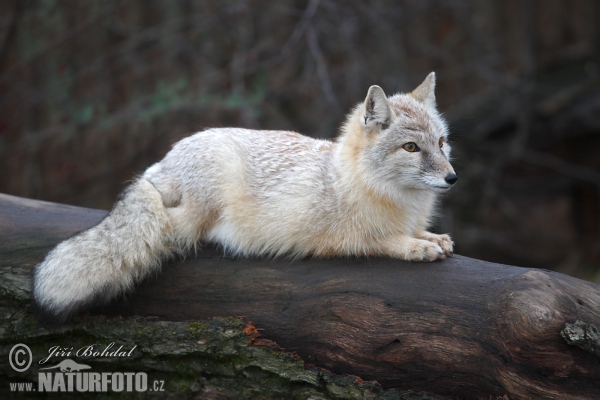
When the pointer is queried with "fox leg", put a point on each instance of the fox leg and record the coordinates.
(412, 249)
(190, 218)
(444, 241)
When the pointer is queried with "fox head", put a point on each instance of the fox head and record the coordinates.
(401, 141)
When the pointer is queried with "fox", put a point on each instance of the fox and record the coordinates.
(370, 192)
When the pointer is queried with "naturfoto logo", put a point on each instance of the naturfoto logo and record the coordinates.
(68, 375)
(70, 379)
(69, 366)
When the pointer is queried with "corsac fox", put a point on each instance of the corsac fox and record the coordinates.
(275, 193)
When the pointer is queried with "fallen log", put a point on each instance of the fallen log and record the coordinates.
(461, 327)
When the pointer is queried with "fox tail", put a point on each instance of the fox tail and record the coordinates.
(102, 262)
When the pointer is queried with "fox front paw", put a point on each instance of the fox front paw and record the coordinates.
(443, 241)
(422, 250)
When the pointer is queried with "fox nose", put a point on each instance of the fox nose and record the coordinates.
(451, 179)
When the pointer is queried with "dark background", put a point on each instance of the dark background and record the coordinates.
(93, 92)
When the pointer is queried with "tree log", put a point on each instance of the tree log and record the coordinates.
(460, 327)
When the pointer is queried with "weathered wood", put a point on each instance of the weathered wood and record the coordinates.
(461, 327)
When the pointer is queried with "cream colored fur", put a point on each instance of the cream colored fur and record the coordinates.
(269, 193)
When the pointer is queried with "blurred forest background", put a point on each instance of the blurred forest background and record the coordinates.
(93, 92)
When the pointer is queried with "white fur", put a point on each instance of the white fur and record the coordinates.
(269, 193)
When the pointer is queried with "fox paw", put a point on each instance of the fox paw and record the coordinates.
(443, 241)
(425, 251)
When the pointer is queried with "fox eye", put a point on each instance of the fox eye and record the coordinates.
(441, 142)
(410, 147)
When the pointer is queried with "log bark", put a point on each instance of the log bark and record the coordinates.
(461, 327)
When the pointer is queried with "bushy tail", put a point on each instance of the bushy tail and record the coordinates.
(100, 263)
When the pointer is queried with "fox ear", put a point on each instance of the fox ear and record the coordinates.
(425, 93)
(376, 111)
